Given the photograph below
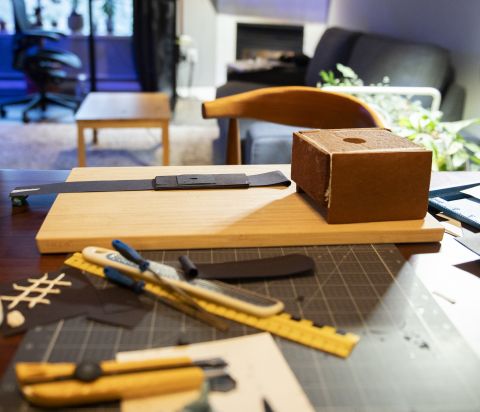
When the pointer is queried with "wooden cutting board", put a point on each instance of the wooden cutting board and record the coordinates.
(188, 219)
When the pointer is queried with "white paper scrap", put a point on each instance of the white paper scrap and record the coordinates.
(254, 361)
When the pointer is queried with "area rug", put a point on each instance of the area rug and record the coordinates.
(54, 146)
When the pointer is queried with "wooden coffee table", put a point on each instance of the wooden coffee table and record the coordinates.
(116, 110)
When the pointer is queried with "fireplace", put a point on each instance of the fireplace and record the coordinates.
(267, 40)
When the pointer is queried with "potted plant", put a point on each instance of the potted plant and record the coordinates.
(109, 10)
(75, 19)
(407, 118)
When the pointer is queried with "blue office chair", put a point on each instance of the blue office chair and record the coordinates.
(43, 66)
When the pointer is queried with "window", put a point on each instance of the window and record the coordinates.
(55, 14)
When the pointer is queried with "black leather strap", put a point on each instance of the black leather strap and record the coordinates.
(273, 267)
(197, 181)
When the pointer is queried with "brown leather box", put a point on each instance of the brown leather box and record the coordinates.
(362, 175)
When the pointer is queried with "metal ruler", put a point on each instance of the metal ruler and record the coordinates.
(454, 203)
(303, 331)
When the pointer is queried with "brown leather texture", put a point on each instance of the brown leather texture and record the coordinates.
(368, 175)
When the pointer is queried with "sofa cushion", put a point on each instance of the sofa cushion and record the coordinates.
(453, 102)
(235, 87)
(268, 143)
(472, 133)
(220, 144)
(405, 63)
(334, 47)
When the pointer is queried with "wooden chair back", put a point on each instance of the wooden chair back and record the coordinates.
(308, 107)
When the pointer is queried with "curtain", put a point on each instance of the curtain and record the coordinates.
(145, 33)
(154, 36)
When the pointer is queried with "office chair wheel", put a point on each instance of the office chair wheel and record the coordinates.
(25, 118)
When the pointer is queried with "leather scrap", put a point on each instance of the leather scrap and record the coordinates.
(114, 306)
(278, 266)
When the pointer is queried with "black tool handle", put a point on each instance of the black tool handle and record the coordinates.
(114, 276)
(190, 270)
(131, 254)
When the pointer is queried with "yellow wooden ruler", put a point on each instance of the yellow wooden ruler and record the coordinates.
(324, 338)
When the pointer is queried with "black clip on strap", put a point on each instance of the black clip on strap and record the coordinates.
(201, 181)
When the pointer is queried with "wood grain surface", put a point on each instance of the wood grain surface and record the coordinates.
(117, 110)
(108, 106)
(271, 216)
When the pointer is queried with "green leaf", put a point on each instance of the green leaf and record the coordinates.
(475, 159)
(455, 127)
(406, 117)
(459, 161)
(347, 72)
(327, 77)
(473, 147)
(454, 148)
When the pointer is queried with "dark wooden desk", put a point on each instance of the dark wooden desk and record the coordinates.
(447, 268)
